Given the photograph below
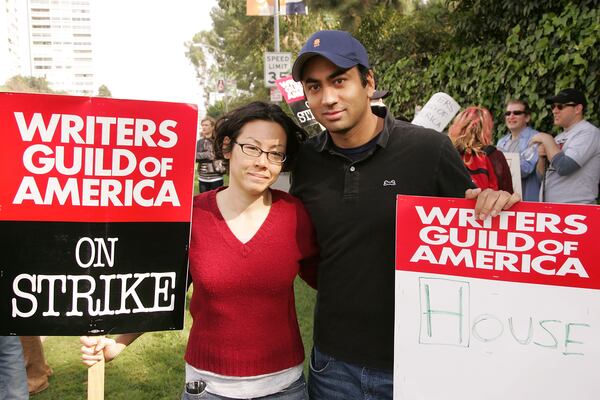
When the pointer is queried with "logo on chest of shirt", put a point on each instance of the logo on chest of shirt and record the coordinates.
(389, 183)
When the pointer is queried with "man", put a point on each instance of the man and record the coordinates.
(348, 178)
(13, 377)
(569, 164)
(517, 117)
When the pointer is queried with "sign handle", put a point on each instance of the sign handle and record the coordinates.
(96, 380)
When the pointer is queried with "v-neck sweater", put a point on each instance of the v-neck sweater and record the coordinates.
(243, 307)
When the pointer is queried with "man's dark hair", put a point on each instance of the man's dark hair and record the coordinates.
(231, 124)
(364, 73)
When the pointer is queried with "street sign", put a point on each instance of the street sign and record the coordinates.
(277, 65)
(276, 96)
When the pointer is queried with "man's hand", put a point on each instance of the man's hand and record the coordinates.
(542, 138)
(541, 150)
(491, 202)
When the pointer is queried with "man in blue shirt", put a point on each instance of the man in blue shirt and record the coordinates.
(517, 117)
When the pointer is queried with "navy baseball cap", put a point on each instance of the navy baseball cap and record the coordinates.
(339, 47)
(569, 95)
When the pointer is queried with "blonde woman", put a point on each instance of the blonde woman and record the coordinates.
(471, 134)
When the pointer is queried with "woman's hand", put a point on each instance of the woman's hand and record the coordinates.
(94, 348)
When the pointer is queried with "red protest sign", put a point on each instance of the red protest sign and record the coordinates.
(67, 158)
(550, 244)
(95, 213)
(513, 296)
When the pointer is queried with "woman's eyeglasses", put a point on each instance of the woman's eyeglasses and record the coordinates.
(518, 112)
(561, 106)
(276, 157)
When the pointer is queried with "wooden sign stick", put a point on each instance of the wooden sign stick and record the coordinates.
(96, 380)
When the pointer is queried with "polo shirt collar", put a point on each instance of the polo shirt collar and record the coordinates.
(324, 141)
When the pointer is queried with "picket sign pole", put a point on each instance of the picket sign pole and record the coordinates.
(96, 380)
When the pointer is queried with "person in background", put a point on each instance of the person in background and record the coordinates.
(210, 169)
(377, 98)
(348, 178)
(38, 370)
(517, 117)
(569, 165)
(13, 377)
(248, 244)
(471, 134)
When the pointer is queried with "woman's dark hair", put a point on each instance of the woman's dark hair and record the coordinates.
(231, 124)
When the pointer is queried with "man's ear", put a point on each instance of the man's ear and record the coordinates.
(370, 83)
(226, 147)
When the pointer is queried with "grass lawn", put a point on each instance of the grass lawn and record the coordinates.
(150, 368)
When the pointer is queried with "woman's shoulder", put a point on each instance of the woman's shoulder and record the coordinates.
(287, 200)
(280, 195)
(205, 199)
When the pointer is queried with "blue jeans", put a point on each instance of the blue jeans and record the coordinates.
(13, 377)
(331, 379)
(296, 391)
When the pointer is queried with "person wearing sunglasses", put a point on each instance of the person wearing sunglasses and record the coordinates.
(569, 164)
(517, 117)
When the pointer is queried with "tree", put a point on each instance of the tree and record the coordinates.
(478, 21)
(237, 43)
(27, 84)
(351, 12)
(103, 91)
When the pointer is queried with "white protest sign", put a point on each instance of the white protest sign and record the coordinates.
(277, 65)
(506, 308)
(514, 163)
(437, 112)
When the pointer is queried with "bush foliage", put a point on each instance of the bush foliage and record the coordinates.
(535, 61)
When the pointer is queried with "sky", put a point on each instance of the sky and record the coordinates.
(139, 48)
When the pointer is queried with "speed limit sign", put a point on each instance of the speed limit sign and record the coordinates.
(277, 65)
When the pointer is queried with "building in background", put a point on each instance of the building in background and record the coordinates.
(11, 57)
(50, 39)
(60, 40)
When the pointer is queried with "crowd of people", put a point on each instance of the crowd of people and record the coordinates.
(336, 227)
(561, 169)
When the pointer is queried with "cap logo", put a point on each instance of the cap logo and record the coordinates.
(316, 42)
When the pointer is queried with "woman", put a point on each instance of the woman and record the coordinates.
(471, 134)
(210, 168)
(248, 243)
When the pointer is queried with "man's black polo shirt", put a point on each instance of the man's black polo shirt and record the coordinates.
(352, 206)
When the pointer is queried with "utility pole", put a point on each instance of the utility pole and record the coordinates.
(276, 24)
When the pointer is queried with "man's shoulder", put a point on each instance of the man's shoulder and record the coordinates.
(403, 131)
(587, 125)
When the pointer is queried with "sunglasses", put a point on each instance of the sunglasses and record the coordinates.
(561, 106)
(518, 112)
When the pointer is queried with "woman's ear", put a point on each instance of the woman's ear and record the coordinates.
(226, 148)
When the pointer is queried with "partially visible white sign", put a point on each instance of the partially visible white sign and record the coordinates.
(277, 65)
(514, 163)
(437, 112)
(276, 96)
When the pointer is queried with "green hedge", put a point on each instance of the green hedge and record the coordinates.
(558, 52)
